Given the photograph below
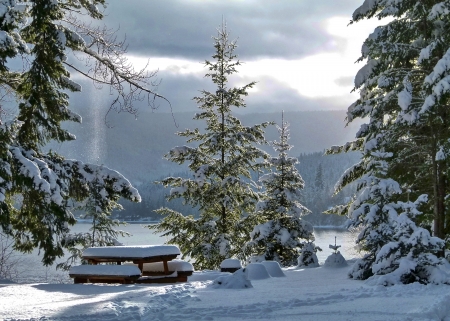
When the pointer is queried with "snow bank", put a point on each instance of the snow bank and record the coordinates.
(237, 280)
(309, 294)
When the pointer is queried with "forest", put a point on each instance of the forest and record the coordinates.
(319, 171)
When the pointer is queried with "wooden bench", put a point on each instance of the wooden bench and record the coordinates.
(178, 271)
(123, 274)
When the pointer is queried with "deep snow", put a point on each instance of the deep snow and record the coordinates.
(304, 294)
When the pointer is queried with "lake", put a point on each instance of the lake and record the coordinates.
(32, 271)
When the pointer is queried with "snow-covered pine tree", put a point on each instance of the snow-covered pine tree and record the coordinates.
(281, 232)
(371, 210)
(409, 257)
(403, 85)
(38, 190)
(221, 165)
(404, 93)
(103, 231)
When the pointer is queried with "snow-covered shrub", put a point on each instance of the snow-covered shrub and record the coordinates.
(335, 260)
(237, 280)
(308, 257)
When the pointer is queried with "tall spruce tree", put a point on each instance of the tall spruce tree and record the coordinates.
(404, 93)
(39, 190)
(221, 165)
(281, 233)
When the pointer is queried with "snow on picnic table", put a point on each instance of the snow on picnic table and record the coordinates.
(132, 251)
(304, 294)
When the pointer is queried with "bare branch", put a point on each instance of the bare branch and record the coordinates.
(105, 63)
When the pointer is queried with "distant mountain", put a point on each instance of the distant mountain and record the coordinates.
(135, 147)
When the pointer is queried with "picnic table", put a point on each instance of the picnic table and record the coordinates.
(138, 254)
(151, 260)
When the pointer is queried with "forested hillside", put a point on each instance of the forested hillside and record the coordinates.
(319, 171)
(136, 148)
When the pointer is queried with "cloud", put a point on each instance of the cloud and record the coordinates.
(269, 94)
(301, 53)
(345, 81)
(265, 28)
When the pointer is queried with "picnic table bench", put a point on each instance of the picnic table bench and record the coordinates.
(153, 262)
(178, 271)
(104, 274)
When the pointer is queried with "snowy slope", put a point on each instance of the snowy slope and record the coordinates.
(308, 294)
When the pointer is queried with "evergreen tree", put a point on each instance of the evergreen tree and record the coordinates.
(318, 182)
(221, 165)
(409, 257)
(38, 190)
(281, 232)
(103, 231)
(404, 94)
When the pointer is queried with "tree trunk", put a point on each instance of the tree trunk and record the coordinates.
(439, 201)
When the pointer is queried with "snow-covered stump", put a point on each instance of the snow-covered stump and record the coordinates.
(274, 269)
(335, 260)
(123, 274)
(230, 265)
(237, 280)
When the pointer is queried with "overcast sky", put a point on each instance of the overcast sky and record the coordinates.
(301, 52)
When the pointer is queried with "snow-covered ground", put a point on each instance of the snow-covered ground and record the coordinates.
(304, 294)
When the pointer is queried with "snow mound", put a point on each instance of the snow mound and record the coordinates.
(335, 260)
(237, 280)
(257, 271)
(273, 268)
(231, 264)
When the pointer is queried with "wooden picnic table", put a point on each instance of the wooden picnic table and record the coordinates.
(160, 266)
(138, 254)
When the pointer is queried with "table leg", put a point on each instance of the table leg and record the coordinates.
(166, 268)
